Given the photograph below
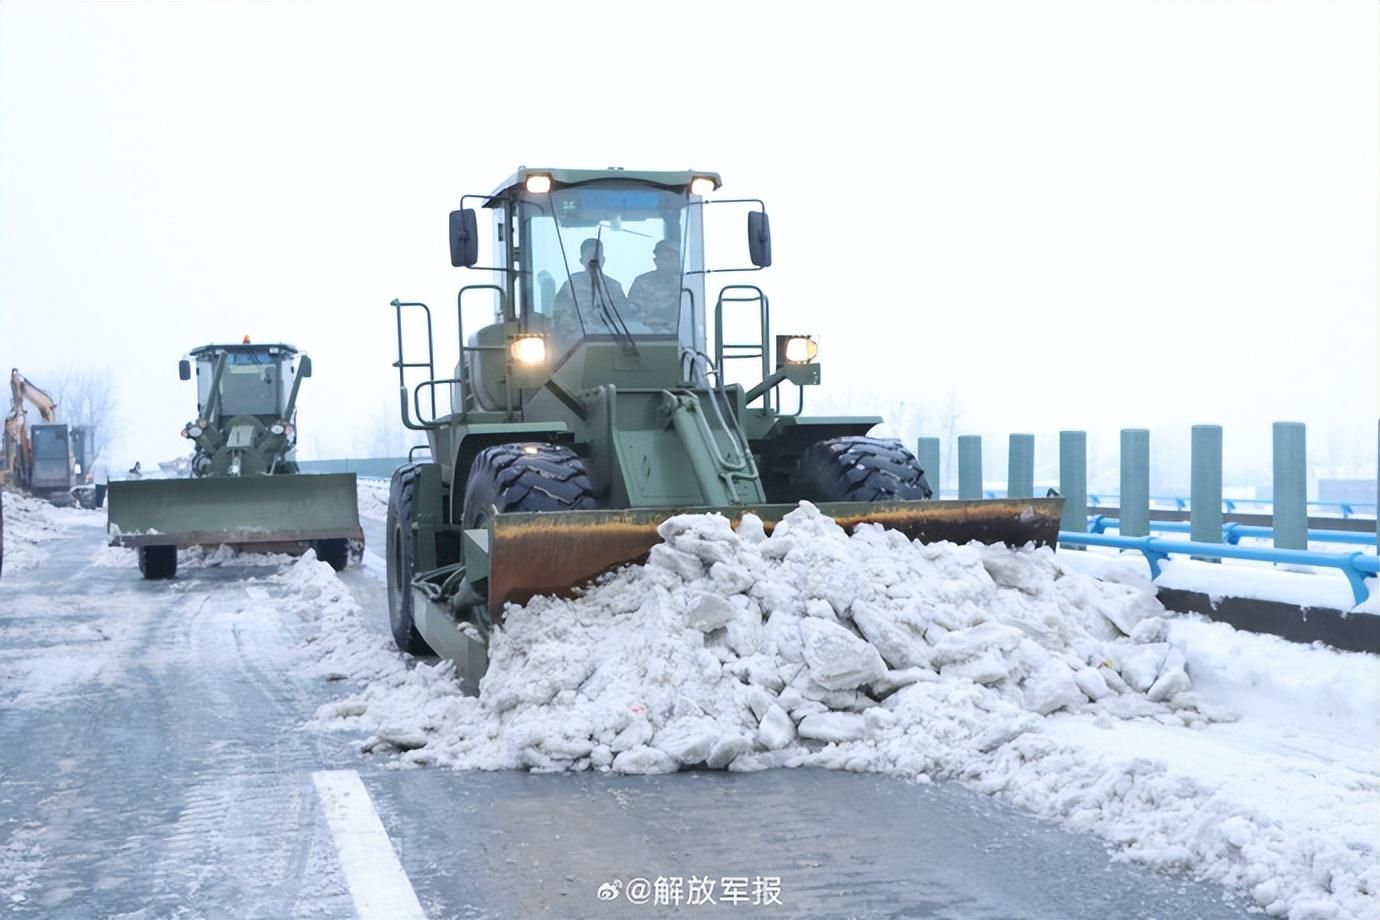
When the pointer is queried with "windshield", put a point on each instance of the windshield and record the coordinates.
(49, 441)
(254, 383)
(613, 260)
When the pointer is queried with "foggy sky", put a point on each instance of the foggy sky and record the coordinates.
(1061, 215)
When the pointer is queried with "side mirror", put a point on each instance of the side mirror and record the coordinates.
(464, 238)
(759, 238)
(304, 366)
(184, 369)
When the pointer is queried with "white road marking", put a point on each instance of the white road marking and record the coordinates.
(378, 885)
(257, 594)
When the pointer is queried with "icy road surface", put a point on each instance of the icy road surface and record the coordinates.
(159, 763)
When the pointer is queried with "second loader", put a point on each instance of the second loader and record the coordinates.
(582, 414)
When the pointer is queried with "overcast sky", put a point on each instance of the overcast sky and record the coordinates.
(1051, 215)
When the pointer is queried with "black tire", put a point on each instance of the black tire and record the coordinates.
(157, 562)
(525, 477)
(335, 552)
(402, 560)
(858, 469)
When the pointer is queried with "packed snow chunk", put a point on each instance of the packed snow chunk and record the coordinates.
(1172, 679)
(833, 726)
(776, 730)
(726, 750)
(689, 740)
(964, 644)
(1030, 571)
(837, 659)
(1092, 683)
(645, 760)
(711, 612)
(1051, 687)
(898, 635)
(1140, 665)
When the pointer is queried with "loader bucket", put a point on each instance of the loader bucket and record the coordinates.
(554, 552)
(264, 513)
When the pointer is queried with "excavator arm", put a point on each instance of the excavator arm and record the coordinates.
(21, 390)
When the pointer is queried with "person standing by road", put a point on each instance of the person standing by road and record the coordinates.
(100, 475)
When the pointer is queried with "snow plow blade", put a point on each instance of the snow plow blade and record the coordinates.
(263, 513)
(554, 552)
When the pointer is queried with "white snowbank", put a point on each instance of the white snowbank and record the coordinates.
(1004, 669)
(30, 522)
(1318, 587)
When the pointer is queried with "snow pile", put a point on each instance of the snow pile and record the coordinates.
(372, 497)
(30, 522)
(870, 653)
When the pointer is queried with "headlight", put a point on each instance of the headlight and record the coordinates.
(528, 349)
(277, 429)
(702, 185)
(798, 349)
(193, 431)
(538, 184)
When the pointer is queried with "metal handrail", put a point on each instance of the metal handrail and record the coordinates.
(402, 365)
(1233, 532)
(1348, 509)
(460, 327)
(1357, 567)
(753, 351)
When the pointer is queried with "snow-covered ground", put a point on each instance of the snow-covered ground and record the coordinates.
(31, 522)
(1185, 744)
(1317, 587)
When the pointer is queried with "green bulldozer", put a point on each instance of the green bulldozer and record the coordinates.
(245, 489)
(581, 415)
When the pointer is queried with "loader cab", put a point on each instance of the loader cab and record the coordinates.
(257, 379)
(588, 257)
(611, 260)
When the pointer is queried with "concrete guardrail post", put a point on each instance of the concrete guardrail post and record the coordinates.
(970, 466)
(1290, 486)
(1205, 491)
(1135, 482)
(927, 453)
(1020, 467)
(1073, 480)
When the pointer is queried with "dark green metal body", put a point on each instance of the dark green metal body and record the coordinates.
(658, 431)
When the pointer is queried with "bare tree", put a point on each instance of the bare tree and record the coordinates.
(86, 396)
(950, 414)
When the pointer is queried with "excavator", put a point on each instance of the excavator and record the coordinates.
(37, 458)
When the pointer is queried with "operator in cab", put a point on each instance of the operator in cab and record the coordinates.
(590, 298)
(654, 299)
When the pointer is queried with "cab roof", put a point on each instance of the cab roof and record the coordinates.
(676, 180)
(242, 348)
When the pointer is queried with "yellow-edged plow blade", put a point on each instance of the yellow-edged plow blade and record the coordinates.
(555, 552)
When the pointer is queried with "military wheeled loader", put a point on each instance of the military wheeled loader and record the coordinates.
(580, 416)
(245, 489)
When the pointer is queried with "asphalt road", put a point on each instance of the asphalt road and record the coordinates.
(157, 764)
